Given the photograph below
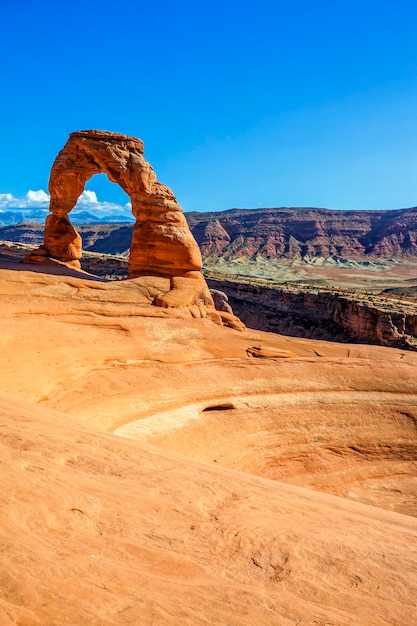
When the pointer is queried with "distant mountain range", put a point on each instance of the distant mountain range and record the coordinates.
(78, 216)
(290, 233)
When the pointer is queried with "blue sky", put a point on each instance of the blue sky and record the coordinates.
(240, 104)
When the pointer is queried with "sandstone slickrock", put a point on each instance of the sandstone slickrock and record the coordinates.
(159, 538)
(266, 352)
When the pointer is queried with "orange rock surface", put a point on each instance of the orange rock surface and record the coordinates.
(154, 472)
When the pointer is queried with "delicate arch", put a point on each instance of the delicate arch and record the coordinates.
(162, 243)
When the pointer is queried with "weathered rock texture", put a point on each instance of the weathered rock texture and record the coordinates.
(162, 244)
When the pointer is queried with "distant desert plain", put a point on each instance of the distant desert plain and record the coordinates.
(158, 468)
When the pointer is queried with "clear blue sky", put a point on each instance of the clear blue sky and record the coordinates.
(240, 104)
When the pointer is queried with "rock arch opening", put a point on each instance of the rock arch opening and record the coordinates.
(101, 187)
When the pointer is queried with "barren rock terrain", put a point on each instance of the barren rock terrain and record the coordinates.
(161, 469)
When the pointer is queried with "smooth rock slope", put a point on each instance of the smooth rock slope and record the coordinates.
(188, 521)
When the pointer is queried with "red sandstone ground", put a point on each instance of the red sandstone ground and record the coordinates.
(183, 525)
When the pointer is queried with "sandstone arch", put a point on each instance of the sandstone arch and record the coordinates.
(162, 243)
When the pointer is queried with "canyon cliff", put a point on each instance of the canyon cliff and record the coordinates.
(296, 233)
(321, 314)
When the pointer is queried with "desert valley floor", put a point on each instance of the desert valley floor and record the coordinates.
(154, 471)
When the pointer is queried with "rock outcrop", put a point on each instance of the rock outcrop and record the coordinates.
(162, 244)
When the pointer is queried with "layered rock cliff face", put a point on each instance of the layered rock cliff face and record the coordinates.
(297, 233)
(322, 315)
